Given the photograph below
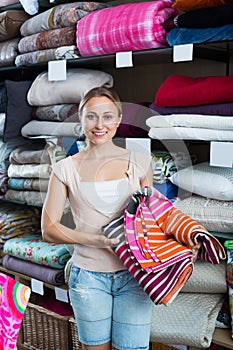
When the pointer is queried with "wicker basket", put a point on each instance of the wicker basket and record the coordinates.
(76, 345)
(45, 330)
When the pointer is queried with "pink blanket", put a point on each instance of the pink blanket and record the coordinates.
(127, 27)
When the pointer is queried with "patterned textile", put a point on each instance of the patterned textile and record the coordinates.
(27, 154)
(31, 247)
(17, 219)
(30, 170)
(47, 40)
(134, 26)
(156, 243)
(60, 16)
(8, 52)
(28, 197)
(28, 184)
(57, 113)
(60, 53)
(14, 298)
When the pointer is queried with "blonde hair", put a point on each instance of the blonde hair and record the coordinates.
(99, 92)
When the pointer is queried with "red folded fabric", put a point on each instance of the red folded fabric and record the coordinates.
(180, 90)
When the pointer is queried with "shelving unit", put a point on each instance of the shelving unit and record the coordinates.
(219, 52)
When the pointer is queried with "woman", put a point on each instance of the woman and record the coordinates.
(110, 308)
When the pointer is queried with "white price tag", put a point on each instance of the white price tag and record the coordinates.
(61, 294)
(221, 154)
(183, 53)
(124, 59)
(57, 70)
(141, 145)
(37, 286)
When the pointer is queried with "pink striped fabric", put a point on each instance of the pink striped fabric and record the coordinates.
(156, 241)
(127, 27)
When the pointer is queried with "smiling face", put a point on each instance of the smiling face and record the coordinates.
(100, 119)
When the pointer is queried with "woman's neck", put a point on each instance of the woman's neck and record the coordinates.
(102, 150)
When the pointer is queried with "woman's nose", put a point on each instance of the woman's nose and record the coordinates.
(99, 122)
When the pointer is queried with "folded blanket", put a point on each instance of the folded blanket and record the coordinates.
(31, 247)
(28, 184)
(206, 17)
(158, 237)
(191, 121)
(29, 170)
(214, 108)
(181, 36)
(47, 40)
(59, 53)
(27, 154)
(26, 197)
(46, 129)
(190, 320)
(57, 113)
(60, 16)
(181, 90)
(44, 92)
(43, 273)
(183, 133)
(127, 27)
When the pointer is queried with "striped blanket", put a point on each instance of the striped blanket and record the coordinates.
(156, 242)
(126, 27)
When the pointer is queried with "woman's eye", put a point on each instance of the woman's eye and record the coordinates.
(91, 117)
(108, 117)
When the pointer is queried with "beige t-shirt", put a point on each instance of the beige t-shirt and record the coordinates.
(89, 218)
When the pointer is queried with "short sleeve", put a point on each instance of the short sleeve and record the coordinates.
(59, 169)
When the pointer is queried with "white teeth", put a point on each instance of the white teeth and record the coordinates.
(99, 133)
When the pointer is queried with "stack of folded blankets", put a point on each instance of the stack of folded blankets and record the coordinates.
(51, 35)
(202, 21)
(182, 113)
(55, 103)
(28, 173)
(30, 255)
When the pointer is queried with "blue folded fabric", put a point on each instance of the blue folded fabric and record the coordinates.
(181, 36)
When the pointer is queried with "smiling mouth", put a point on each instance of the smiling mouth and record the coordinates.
(99, 134)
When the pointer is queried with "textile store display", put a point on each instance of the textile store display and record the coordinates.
(127, 27)
(31, 247)
(8, 52)
(46, 274)
(60, 16)
(51, 34)
(147, 258)
(14, 297)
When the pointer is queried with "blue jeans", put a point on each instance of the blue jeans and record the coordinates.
(110, 307)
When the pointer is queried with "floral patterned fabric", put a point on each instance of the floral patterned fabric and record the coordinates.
(14, 298)
(32, 248)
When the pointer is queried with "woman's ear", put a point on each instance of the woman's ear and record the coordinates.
(120, 119)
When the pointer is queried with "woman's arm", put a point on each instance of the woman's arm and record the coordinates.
(148, 179)
(55, 232)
